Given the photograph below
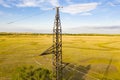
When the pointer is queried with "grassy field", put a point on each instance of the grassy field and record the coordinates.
(93, 51)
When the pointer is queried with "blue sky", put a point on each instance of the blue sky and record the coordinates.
(77, 16)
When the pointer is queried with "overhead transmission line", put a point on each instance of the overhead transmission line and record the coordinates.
(27, 17)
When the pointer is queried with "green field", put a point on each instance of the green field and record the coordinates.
(93, 51)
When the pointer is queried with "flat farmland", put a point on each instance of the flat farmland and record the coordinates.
(100, 53)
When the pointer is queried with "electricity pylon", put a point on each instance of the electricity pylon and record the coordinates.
(56, 48)
(57, 43)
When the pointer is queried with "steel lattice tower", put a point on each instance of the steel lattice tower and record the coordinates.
(57, 44)
(56, 48)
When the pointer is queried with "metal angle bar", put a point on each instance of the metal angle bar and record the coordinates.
(48, 51)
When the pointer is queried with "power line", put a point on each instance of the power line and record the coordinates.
(27, 17)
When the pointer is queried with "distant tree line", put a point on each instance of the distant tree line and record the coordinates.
(13, 33)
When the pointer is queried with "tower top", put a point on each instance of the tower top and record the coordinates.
(57, 7)
(57, 12)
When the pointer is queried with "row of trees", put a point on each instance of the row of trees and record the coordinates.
(11, 33)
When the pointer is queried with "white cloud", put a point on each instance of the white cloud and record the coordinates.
(37, 3)
(3, 3)
(86, 14)
(46, 4)
(54, 2)
(69, 1)
(80, 8)
(118, 0)
(1, 13)
(111, 4)
(29, 3)
(114, 3)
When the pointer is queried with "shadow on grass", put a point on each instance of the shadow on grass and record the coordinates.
(72, 72)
